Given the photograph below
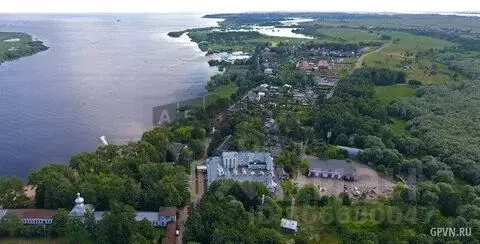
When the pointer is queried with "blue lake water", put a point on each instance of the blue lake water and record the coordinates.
(99, 77)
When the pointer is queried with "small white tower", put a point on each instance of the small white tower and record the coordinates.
(79, 208)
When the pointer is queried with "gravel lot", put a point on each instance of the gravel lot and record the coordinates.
(368, 181)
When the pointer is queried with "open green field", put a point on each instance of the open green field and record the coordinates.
(387, 94)
(348, 35)
(400, 55)
(224, 91)
(398, 126)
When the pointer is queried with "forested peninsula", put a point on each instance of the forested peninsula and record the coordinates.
(15, 45)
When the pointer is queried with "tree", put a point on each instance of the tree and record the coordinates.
(118, 225)
(308, 195)
(248, 137)
(90, 224)
(139, 239)
(198, 133)
(469, 211)
(146, 229)
(373, 141)
(346, 199)
(445, 176)
(10, 224)
(54, 186)
(76, 231)
(159, 137)
(269, 214)
(266, 235)
(414, 83)
(185, 157)
(11, 192)
(59, 223)
(198, 149)
(183, 134)
(448, 199)
(431, 165)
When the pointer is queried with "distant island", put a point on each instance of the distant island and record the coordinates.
(14, 45)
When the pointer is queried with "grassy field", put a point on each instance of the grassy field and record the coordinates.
(348, 35)
(398, 126)
(224, 91)
(400, 55)
(387, 94)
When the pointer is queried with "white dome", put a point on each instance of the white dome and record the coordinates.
(79, 199)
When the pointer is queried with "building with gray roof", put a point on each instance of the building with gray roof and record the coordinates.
(289, 226)
(331, 168)
(242, 166)
(351, 151)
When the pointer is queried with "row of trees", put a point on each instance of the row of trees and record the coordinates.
(136, 174)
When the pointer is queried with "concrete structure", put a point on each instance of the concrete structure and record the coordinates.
(268, 71)
(242, 166)
(288, 225)
(331, 168)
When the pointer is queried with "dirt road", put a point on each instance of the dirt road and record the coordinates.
(362, 58)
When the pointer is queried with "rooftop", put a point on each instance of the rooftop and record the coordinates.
(33, 213)
(150, 216)
(167, 211)
(170, 235)
(331, 165)
(289, 224)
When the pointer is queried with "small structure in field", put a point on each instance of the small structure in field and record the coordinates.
(289, 226)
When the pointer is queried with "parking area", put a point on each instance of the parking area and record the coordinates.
(368, 183)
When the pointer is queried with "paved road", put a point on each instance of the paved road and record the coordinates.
(362, 58)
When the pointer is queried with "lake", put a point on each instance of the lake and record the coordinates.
(101, 76)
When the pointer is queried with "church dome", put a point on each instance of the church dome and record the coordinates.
(79, 199)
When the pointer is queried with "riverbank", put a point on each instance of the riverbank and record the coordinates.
(15, 45)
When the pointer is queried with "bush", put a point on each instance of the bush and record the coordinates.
(414, 83)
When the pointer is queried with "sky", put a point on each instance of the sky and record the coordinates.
(224, 6)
